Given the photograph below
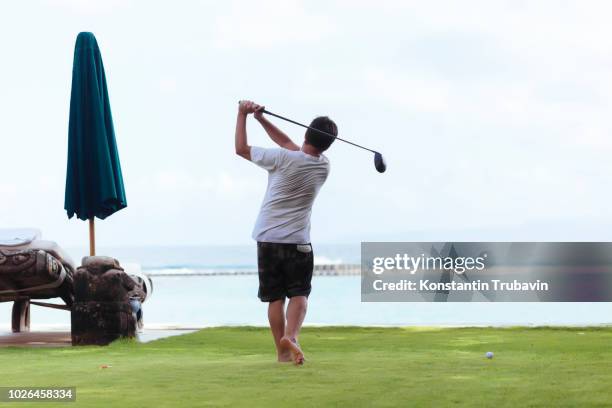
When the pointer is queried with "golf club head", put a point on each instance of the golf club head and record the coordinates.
(379, 163)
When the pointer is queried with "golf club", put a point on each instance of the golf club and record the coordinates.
(379, 161)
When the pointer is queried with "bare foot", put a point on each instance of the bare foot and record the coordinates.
(283, 353)
(284, 356)
(296, 353)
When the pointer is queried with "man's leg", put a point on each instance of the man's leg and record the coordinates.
(296, 312)
(276, 317)
(298, 272)
(272, 290)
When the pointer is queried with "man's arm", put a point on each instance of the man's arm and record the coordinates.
(277, 135)
(242, 147)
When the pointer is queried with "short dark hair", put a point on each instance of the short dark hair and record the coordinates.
(320, 140)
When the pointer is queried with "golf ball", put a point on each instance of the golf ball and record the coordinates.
(489, 354)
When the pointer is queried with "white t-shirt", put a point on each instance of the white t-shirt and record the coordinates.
(294, 179)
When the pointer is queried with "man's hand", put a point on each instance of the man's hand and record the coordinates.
(258, 114)
(246, 107)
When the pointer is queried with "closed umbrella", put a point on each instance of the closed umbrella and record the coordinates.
(94, 184)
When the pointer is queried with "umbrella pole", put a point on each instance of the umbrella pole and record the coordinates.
(92, 237)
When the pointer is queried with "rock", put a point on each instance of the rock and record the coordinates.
(100, 323)
(102, 311)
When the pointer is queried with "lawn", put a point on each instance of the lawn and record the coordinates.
(346, 366)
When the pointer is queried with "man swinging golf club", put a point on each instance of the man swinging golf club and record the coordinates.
(282, 230)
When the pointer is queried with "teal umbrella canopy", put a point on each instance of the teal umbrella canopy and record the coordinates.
(94, 184)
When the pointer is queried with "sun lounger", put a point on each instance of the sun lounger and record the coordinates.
(32, 268)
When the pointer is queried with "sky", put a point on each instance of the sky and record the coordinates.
(493, 116)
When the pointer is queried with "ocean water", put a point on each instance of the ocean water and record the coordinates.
(199, 301)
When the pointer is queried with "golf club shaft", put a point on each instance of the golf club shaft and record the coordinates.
(316, 130)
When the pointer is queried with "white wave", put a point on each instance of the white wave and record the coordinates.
(323, 260)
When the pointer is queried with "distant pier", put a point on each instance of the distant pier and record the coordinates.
(319, 270)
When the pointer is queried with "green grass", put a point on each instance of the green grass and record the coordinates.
(346, 367)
